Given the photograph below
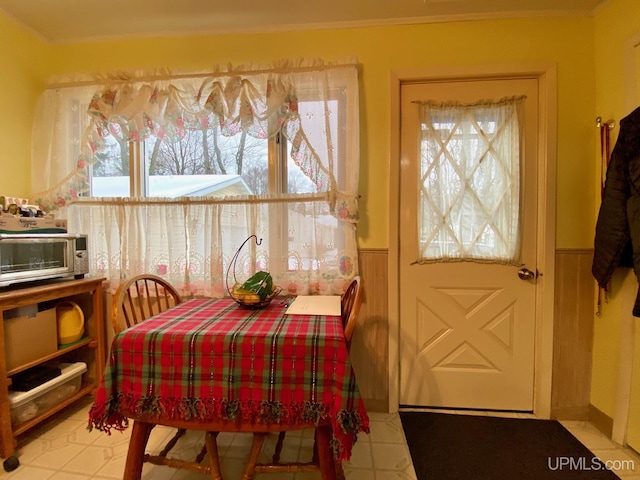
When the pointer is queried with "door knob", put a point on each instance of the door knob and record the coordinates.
(526, 274)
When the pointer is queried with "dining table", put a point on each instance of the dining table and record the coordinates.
(215, 364)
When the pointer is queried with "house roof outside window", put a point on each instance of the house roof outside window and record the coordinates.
(174, 186)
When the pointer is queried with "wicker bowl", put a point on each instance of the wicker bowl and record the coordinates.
(247, 300)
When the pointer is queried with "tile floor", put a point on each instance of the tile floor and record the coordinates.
(63, 449)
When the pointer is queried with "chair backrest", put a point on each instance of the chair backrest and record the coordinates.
(350, 307)
(139, 298)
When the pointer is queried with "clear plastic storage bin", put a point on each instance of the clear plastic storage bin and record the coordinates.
(26, 405)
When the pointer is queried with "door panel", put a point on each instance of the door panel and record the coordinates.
(467, 329)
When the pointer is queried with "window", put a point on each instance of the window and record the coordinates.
(201, 162)
(172, 174)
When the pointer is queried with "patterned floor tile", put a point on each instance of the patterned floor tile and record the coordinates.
(63, 449)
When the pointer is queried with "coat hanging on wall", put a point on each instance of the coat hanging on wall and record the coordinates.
(617, 238)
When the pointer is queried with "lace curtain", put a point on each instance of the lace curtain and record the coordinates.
(469, 184)
(309, 243)
(191, 241)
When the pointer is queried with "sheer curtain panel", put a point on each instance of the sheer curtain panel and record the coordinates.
(469, 182)
(191, 241)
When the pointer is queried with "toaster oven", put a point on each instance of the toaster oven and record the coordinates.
(26, 257)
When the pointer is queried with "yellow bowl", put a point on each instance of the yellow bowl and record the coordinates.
(70, 320)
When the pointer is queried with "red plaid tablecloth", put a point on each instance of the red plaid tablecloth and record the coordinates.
(209, 359)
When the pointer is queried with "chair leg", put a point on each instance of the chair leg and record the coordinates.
(137, 445)
(172, 443)
(212, 450)
(256, 447)
(314, 458)
(325, 455)
(203, 452)
(278, 450)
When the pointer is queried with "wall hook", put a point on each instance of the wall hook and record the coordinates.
(611, 124)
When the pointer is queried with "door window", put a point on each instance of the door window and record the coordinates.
(469, 181)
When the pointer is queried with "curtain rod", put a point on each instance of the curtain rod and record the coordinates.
(318, 197)
(213, 74)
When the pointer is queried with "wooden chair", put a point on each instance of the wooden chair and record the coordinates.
(350, 309)
(136, 300)
(141, 297)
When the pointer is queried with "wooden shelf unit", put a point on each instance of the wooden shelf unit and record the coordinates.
(88, 294)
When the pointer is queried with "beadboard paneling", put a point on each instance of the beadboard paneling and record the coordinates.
(370, 342)
(573, 334)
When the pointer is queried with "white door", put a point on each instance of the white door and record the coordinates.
(467, 328)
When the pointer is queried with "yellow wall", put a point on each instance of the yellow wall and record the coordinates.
(587, 52)
(383, 49)
(614, 25)
(23, 65)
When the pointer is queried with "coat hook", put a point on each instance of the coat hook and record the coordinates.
(611, 124)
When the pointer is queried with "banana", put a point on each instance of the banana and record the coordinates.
(246, 296)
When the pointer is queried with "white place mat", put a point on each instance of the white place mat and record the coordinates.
(315, 305)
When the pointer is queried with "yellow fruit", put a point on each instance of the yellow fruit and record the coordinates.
(251, 298)
(245, 296)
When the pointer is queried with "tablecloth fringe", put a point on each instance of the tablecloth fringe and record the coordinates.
(105, 416)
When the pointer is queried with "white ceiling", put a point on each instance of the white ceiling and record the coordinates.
(66, 21)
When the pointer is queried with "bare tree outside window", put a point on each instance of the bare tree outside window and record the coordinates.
(202, 152)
